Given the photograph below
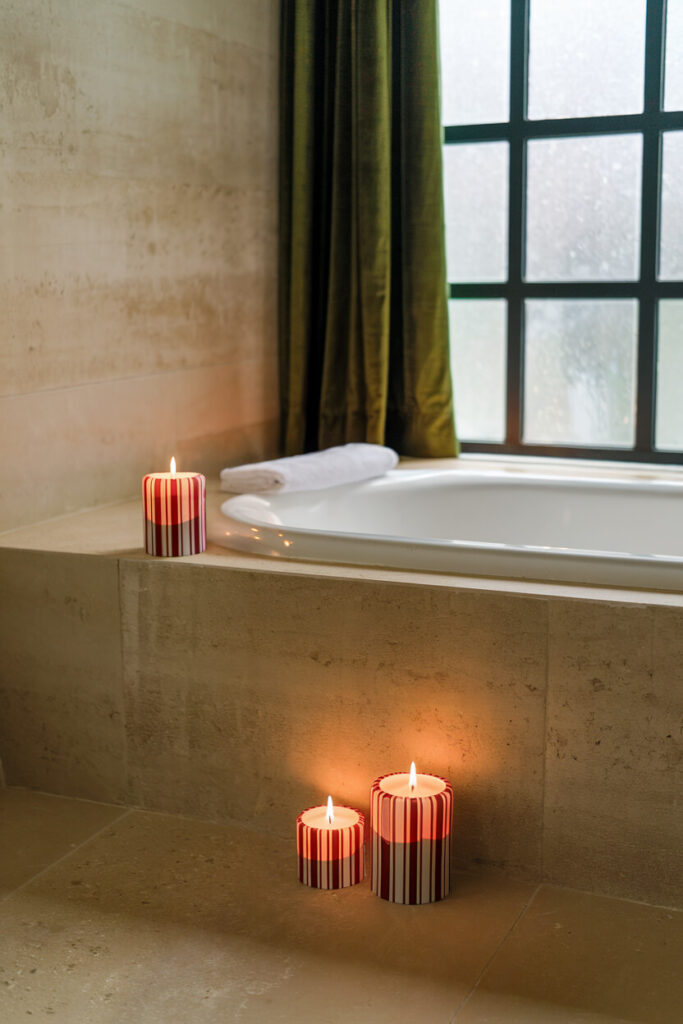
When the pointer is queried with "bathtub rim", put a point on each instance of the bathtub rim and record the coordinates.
(488, 560)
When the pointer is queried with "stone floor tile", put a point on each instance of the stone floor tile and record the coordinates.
(37, 829)
(161, 918)
(575, 958)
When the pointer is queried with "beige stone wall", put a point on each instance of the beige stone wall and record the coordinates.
(138, 145)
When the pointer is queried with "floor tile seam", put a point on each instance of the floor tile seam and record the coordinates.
(491, 959)
(548, 884)
(65, 856)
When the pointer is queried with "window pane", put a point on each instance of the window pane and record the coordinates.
(671, 244)
(586, 57)
(580, 371)
(476, 197)
(673, 70)
(583, 208)
(669, 421)
(478, 361)
(475, 60)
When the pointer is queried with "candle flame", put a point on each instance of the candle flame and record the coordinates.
(413, 777)
(330, 811)
(173, 466)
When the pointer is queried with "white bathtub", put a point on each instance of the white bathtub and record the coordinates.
(621, 532)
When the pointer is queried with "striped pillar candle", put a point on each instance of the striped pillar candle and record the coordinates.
(329, 844)
(174, 509)
(411, 837)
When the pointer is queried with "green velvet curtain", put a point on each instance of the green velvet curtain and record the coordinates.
(363, 303)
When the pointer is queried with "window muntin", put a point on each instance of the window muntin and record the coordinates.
(611, 212)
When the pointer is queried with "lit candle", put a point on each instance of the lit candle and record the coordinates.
(174, 508)
(329, 842)
(411, 837)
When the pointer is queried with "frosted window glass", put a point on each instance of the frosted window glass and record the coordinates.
(669, 422)
(671, 251)
(673, 69)
(478, 329)
(583, 208)
(476, 199)
(580, 372)
(586, 57)
(475, 60)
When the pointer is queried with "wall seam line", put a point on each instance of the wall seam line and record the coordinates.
(546, 695)
(124, 709)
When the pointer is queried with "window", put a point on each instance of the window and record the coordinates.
(563, 178)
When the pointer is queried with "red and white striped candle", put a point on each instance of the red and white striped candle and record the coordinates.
(174, 508)
(330, 846)
(411, 818)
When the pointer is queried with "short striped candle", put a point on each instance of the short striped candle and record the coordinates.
(174, 509)
(330, 846)
(411, 818)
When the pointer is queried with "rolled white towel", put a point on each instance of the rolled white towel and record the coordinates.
(311, 472)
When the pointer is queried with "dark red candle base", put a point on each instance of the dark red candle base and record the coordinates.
(411, 873)
(332, 874)
(171, 539)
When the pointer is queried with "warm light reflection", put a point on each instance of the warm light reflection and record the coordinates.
(330, 811)
(412, 781)
(173, 465)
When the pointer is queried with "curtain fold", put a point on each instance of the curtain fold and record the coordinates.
(363, 304)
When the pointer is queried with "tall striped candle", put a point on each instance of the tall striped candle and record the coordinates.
(174, 509)
(329, 844)
(411, 818)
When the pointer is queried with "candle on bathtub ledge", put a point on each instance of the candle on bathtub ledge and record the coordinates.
(411, 818)
(329, 844)
(174, 509)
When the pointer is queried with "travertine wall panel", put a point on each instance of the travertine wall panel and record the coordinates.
(138, 219)
(89, 445)
(247, 695)
(154, 277)
(613, 762)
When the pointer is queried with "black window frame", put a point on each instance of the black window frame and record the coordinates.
(647, 289)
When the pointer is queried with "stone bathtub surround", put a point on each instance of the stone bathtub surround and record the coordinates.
(231, 688)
